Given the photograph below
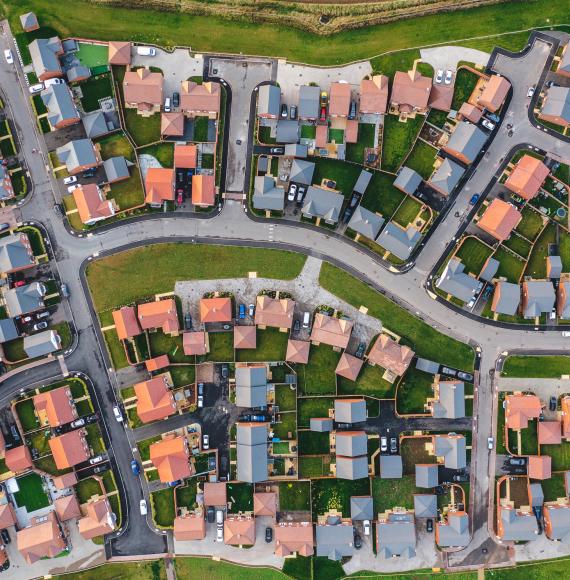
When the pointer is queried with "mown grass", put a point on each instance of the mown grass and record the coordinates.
(537, 367)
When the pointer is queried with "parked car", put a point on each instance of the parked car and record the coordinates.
(552, 403)
(242, 311)
(8, 56)
(37, 88)
(530, 92)
(220, 517)
(297, 325)
(25, 319)
(516, 461)
(352, 110)
(493, 117)
(40, 315)
(58, 210)
(467, 376)
(487, 124)
(277, 150)
(225, 371)
(447, 371)
(118, 414)
(175, 99)
(393, 445)
(211, 514)
(460, 477)
(293, 112)
(205, 442)
(95, 460)
(383, 444)
(188, 322)
(366, 527)
(360, 350)
(64, 290)
(4, 226)
(5, 536)
(143, 508)
(490, 443)
(69, 180)
(284, 111)
(448, 77)
(324, 98)
(18, 284)
(51, 82)
(200, 388)
(135, 467)
(200, 401)
(357, 542)
(251, 310)
(40, 326)
(77, 423)
(292, 192)
(330, 184)
(268, 534)
(439, 76)
(146, 51)
(429, 525)
(180, 197)
(323, 116)
(220, 534)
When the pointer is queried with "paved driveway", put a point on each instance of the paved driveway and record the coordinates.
(447, 57)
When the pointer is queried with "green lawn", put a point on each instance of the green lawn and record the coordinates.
(539, 367)
(116, 145)
(422, 158)
(318, 376)
(335, 493)
(313, 407)
(298, 568)
(312, 467)
(116, 350)
(87, 488)
(144, 447)
(560, 456)
(407, 212)
(163, 511)
(536, 265)
(355, 151)
(182, 375)
(143, 130)
(336, 135)
(381, 195)
(413, 391)
(437, 118)
(313, 443)
(295, 496)
(31, 494)
(26, 414)
(95, 439)
(285, 398)
(186, 495)
(308, 131)
(146, 570)
(510, 267)
(398, 140)
(271, 347)
(128, 193)
(241, 497)
(161, 343)
(425, 340)
(201, 129)
(389, 493)
(94, 89)
(473, 253)
(92, 55)
(162, 152)
(531, 224)
(564, 250)
(172, 262)
(221, 347)
(465, 82)
(518, 244)
(208, 568)
(287, 424)
(537, 570)
(345, 174)
(369, 383)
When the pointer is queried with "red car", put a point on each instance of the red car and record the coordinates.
(19, 283)
(323, 113)
(180, 198)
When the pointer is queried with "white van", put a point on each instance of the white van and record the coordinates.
(219, 517)
(306, 319)
(146, 51)
(566, 333)
(167, 108)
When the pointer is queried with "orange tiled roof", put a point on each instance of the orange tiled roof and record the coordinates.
(374, 94)
(339, 100)
(441, 97)
(277, 313)
(69, 449)
(67, 507)
(519, 409)
(126, 323)
(98, 520)
(215, 494)
(55, 407)
(119, 52)
(7, 516)
(293, 537)
(91, 203)
(185, 156)
(349, 366)
(239, 531)
(549, 433)
(331, 330)
(390, 355)
(154, 399)
(194, 343)
(159, 314)
(143, 87)
(41, 540)
(494, 93)
(500, 219)
(527, 177)
(189, 527)
(539, 466)
(170, 457)
(410, 90)
(204, 98)
(157, 363)
(264, 504)
(18, 458)
(216, 310)
(565, 404)
(245, 336)
(351, 131)
(159, 185)
(321, 136)
(203, 190)
(172, 124)
(470, 112)
(298, 351)
(66, 480)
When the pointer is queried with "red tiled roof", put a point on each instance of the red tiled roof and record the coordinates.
(239, 531)
(216, 310)
(390, 355)
(540, 466)
(157, 363)
(374, 94)
(143, 87)
(154, 399)
(527, 177)
(159, 314)
(274, 312)
(411, 90)
(119, 52)
(204, 98)
(91, 203)
(67, 507)
(159, 185)
(194, 343)
(470, 112)
(331, 330)
(298, 351)
(69, 449)
(215, 494)
(500, 219)
(519, 409)
(549, 433)
(264, 504)
(339, 100)
(245, 336)
(185, 156)
(189, 527)
(349, 366)
(291, 537)
(56, 406)
(203, 190)
(351, 131)
(172, 124)
(98, 520)
(41, 540)
(494, 93)
(18, 458)
(170, 457)
(126, 323)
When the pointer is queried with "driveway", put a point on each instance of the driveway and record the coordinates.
(447, 57)
(543, 388)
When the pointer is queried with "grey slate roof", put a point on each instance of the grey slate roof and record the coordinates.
(564, 312)
(351, 467)
(287, 131)
(398, 241)
(266, 194)
(252, 452)
(8, 330)
(362, 182)
(425, 505)
(468, 140)
(251, 386)
(44, 55)
(447, 176)
(322, 203)
(14, 254)
(490, 269)
(452, 449)
(302, 172)
(427, 475)
(77, 153)
(555, 267)
(429, 366)
(397, 537)
(296, 150)
(455, 533)
(24, 299)
(42, 343)
(451, 403)
(390, 466)
(269, 100)
(77, 73)
(321, 426)
(29, 21)
(351, 446)
(365, 222)
(509, 298)
(349, 411)
(557, 103)
(454, 281)
(408, 180)
(335, 542)
(565, 60)
(116, 168)
(559, 521)
(95, 124)
(540, 298)
(60, 106)
(518, 527)
(309, 102)
(361, 508)
(536, 494)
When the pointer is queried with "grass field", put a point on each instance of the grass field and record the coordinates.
(335, 493)
(389, 493)
(318, 377)
(294, 496)
(413, 391)
(271, 346)
(147, 570)
(128, 193)
(398, 140)
(285, 398)
(381, 195)
(407, 212)
(313, 443)
(312, 467)
(221, 347)
(369, 382)
(345, 174)
(518, 244)
(162, 152)
(116, 145)
(421, 158)
(538, 367)
(465, 82)
(355, 151)
(87, 488)
(31, 493)
(313, 407)
(473, 253)
(143, 130)
(208, 568)
(240, 495)
(530, 225)
(94, 89)
(536, 265)
(163, 511)
(511, 267)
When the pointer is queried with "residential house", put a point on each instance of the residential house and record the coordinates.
(6, 187)
(396, 535)
(143, 90)
(506, 298)
(189, 527)
(251, 386)
(361, 508)
(351, 443)
(446, 177)
(203, 190)
(294, 538)
(96, 125)
(390, 355)
(425, 505)
(321, 136)
(469, 112)
(195, 343)
(309, 101)
(321, 424)
(172, 124)
(455, 282)
(500, 219)
(565, 405)
(527, 177)
(268, 101)
(186, 157)
(399, 241)
(564, 63)
(374, 95)
(287, 131)
(556, 106)
(61, 111)
(154, 399)
(239, 530)
(516, 525)
(339, 99)
(298, 351)
(24, 299)
(466, 142)
(301, 172)
(159, 314)
(494, 94)
(366, 223)
(92, 204)
(490, 268)
(45, 53)
(520, 409)
(200, 100)
(296, 150)
(348, 366)
(265, 504)
(452, 448)
(170, 457)
(70, 449)
(78, 156)
(549, 433)
(322, 203)
(18, 459)
(441, 97)
(77, 73)
(99, 519)
(557, 520)
(553, 267)
(331, 330)
(537, 298)
(42, 343)
(267, 195)
(159, 185)
(410, 92)
(43, 538)
(427, 475)
(55, 407)
(157, 363)
(7, 516)
(245, 337)
(126, 322)
(562, 300)
(215, 494)
(119, 53)
(351, 410)
(29, 22)
(216, 309)
(116, 169)
(274, 312)
(408, 180)
(8, 330)
(535, 494)
(335, 539)
(252, 461)
(453, 530)
(16, 253)
(539, 466)
(391, 466)
(449, 400)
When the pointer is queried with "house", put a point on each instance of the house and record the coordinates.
(157, 363)
(410, 92)
(43, 538)
(301, 172)
(364, 179)
(45, 53)
(116, 169)
(453, 531)
(154, 399)
(186, 157)
(427, 475)
(78, 156)
(321, 136)
(556, 106)
(396, 535)
(215, 494)
(16, 253)
(506, 298)
(200, 100)
(6, 187)
(366, 223)
(8, 330)
(239, 531)
(159, 185)
(446, 176)
(287, 131)
(391, 466)
(189, 527)
(520, 409)
(143, 90)
(309, 102)
(535, 494)
(494, 93)
(298, 351)
(351, 468)
(170, 457)
(351, 410)
(159, 314)
(516, 525)
(374, 95)
(251, 386)
(77, 73)
(294, 538)
(351, 443)
(268, 101)
(425, 505)
(252, 462)
(399, 241)
(245, 337)
(553, 267)
(203, 190)
(500, 219)
(441, 97)
(7, 516)
(490, 268)
(452, 448)
(455, 282)
(537, 298)
(95, 124)
(119, 53)
(469, 112)
(172, 124)
(331, 330)
(562, 302)
(348, 366)
(126, 322)
(55, 407)
(408, 180)
(216, 309)
(335, 539)
(99, 519)
(539, 466)
(339, 99)
(24, 299)
(70, 449)
(267, 195)
(194, 343)
(42, 343)
(564, 63)
(29, 22)
(92, 204)
(296, 150)
(466, 142)
(321, 424)
(18, 459)
(449, 401)
(274, 312)
(549, 433)
(390, 355)
(557, 520)
(527, 177)
(361, 508)
(61, 110)
(351, 134)
(265, 504)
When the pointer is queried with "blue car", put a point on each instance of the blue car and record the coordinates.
(135, 467)
(242, 310)
(474, 199)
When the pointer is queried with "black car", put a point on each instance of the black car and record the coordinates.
(393, 445)
(360, 350)
(211, 514)
(552, 404)
(297, 325)
(58, 210)
(175, 99)
(224, 463)
(225, 371)
(357, 542)
(188, 322)
(5, 536)
(429, 526)
(268, 534)
(459, 477)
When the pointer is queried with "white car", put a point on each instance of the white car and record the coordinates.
(200, 401)
(366, 527)
(383, 444)
(8, 56)
(69, 180)
(37, 88)
(530, 92)
(143, 507)
(118, 414)
(78, 422)
(439, 76)
(95, 460)
(56, 81)
(448, 77)
(487, 124)
(220, 534)
(292, 192)
(72, 188)
(205, 442)
(490, 443)
(251, 310)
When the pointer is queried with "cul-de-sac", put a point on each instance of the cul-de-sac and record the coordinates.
(284, 289)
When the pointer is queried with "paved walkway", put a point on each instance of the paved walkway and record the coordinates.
(447, 57)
